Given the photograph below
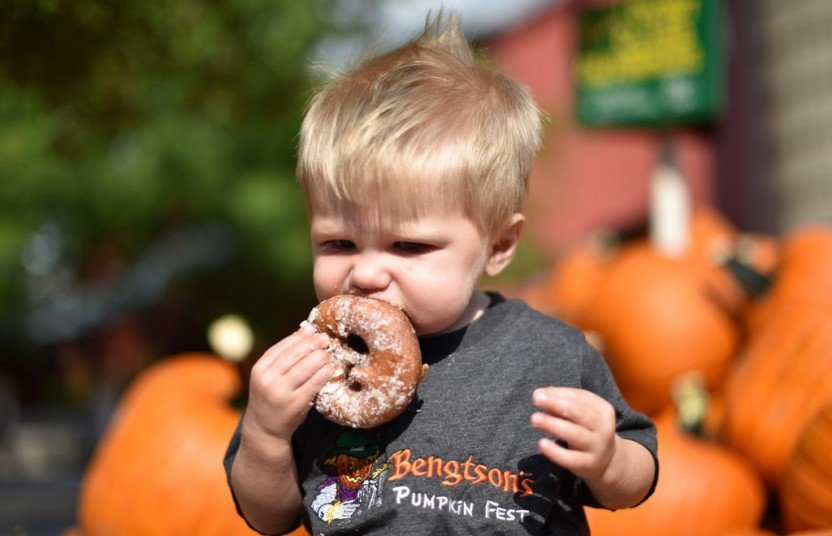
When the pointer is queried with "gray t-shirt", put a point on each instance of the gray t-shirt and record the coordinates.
(463, 458)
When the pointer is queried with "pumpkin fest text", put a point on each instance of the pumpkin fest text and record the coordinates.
(454, 472)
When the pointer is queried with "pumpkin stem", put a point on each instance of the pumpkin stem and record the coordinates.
(691, 399)
(752, 282)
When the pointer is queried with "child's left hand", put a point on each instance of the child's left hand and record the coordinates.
(581, 419)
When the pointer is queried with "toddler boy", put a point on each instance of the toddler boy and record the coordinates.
(415, 168)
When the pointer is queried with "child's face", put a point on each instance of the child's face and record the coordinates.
(429, 265)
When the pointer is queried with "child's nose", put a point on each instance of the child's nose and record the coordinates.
(369, 273)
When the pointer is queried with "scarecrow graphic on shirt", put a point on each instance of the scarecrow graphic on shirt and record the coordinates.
(351, 481)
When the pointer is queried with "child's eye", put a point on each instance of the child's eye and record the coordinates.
(339, 245)
(412, 247)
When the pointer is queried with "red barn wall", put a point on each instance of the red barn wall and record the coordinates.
(587, 178)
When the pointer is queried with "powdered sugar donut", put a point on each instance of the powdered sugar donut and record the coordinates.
(377, 358)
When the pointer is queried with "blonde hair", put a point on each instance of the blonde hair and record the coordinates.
(425, 123)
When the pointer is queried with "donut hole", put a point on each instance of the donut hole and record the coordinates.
(354, 385)
(357, 344)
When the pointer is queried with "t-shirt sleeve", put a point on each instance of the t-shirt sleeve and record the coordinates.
(231, 455)
(630, 424)
(228, 462)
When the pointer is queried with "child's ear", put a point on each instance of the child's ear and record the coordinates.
(504, 245)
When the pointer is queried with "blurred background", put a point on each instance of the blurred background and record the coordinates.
(147, 187)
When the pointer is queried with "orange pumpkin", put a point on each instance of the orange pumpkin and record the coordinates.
(806, 491)
(713, 240)
(782, 378)
(710, 235)
(659, 321)
(576, 275)
(703, 488)
(158, 468)
(754, 531)
(759, 250)
(803, 277)
(534, 291)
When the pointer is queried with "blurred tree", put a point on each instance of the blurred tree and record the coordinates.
(125, 123)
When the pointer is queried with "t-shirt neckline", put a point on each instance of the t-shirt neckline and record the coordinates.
(436, 347)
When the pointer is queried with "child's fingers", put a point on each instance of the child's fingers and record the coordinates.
(586, 463)
(573, 460)
(576, 436)
(274, 351)
(296, 354)
(306, 367)
(282, 356)
(309, 390)
(576, 405)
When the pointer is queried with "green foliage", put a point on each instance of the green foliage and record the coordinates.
(121, 122)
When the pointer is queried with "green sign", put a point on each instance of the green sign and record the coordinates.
(650, 62)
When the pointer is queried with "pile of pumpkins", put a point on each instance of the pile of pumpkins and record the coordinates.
(728, 347)
(158, 468)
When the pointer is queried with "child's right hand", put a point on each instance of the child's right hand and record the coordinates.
(284, 383)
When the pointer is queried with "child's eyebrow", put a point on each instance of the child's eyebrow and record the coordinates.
(327, 231)
(327, 222)
(419, 233)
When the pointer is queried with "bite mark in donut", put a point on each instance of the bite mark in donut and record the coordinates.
(377, 359)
